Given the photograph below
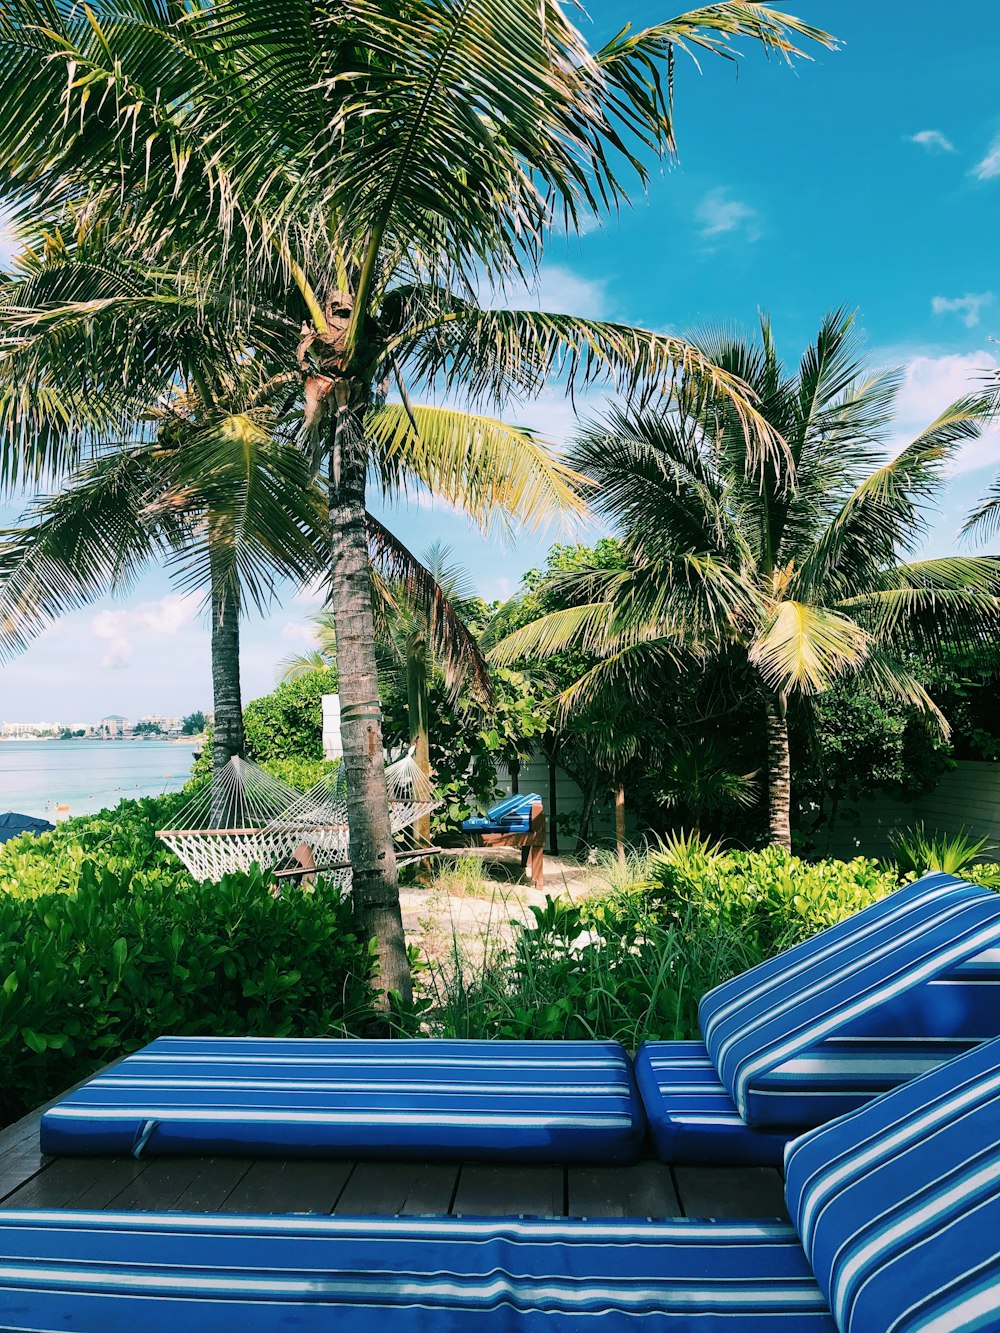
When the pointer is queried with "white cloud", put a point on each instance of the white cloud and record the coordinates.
(989, 166)
(558, 288)
(933, 140)
(8, 243)
(312, 593)
(720, 215)
(968, 306)
(297, 632)
(930, 384)
(162, 619)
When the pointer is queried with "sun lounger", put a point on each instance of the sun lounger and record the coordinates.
(517, 821)
(475, 1100)
(896, 1212)
(864, 1006)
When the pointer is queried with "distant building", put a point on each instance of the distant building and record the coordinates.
(113, 727)
(26, 731)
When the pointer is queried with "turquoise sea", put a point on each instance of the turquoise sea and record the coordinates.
(36, 776)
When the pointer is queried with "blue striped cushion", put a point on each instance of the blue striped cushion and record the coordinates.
(553, 1101)
(118, 1273)
(898, 1204)
(691, 1115)
(871, 1002)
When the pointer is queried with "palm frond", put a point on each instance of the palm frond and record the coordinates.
(455, 647)
(493, 352)
(984, 520)
(493, 471)
(94, 537)
(805, 649)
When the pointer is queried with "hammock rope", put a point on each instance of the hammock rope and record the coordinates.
(246, 816)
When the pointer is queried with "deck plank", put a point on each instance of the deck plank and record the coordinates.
(213, 1183)
(528, 1190)
(643, 1190)
(734, 1191)
(289, 1185)
(76, 1182)
(388, 1189)
(158, 1188)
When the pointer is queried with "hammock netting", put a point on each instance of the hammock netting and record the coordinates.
(245, 816)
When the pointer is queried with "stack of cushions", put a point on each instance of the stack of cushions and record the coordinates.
(897, 1205)
(869, 1003)
(512, 815)
(866, 1005)
(896, 1211)
(550, 1101)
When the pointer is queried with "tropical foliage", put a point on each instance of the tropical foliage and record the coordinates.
(341, 244)
(793, 568)
(92, 974)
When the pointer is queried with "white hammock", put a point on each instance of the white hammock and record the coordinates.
(245, 816)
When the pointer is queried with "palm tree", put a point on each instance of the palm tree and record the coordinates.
(383, 161)
(419, 620)
(796, 565)
(213, 492)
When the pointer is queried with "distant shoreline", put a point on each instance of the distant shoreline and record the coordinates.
(138, 740)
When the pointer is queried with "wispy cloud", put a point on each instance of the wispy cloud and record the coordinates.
(929, 384)
(720, 215)
(968, 306)
(8, 242)
(161, 619)
(933, 140)
(558, 288)
(989, 166)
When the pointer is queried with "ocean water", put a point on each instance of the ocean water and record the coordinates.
(86, 775)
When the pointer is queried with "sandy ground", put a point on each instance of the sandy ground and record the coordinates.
(434, 914)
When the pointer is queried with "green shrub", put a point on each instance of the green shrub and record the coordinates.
(90, 975)
(289, 720)
(575, 974)
(772, 898)
(122, 839)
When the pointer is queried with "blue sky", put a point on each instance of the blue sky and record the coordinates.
(869, 177)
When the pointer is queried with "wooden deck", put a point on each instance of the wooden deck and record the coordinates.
(467, 1189)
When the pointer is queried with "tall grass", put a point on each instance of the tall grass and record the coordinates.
(565, 976)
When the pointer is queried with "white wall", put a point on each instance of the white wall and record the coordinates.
(966, 797)
(534, 776)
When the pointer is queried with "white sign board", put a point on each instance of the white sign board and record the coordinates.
(333, 746)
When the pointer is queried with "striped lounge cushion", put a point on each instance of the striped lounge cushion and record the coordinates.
(120, 1272)
(691, 1116)
(867, 1004)
(554, 1101)
(898, 1204)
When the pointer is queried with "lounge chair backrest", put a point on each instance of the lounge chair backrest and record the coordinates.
(868, 1003)
(897, 1205)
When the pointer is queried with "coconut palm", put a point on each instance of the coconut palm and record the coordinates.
(419, 620)
(984, 520)
(384, 161)
(213, 492)
(799, 567)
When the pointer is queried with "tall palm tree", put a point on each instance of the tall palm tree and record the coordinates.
(419, 609)
(798, 565)
(383, 159)
(213, 492)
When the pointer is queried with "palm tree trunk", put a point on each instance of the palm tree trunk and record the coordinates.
(620, 822)
(228, 735)
(417, 710)
(779, 772)
(589, 797)
(553, 811)
(373, 859)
